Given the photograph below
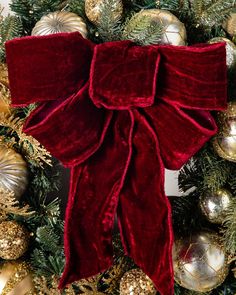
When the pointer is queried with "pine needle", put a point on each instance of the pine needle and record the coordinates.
(142, 30)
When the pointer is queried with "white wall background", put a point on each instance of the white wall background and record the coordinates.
(171, 186)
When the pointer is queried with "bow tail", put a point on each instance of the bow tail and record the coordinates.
(144, 212)
(95, 187)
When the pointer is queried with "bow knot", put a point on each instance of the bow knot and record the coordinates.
(90, 118)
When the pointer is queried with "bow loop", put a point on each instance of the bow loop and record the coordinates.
(123, 75)
(46, 68)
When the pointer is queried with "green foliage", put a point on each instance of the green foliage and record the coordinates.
(206, 171)
(142, 30)
(108, 26)
(30, 11)
(229, 229)
(10, 27)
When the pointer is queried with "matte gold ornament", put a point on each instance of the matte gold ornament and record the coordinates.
(13, 171)
(137, 282)
(59, 22)
(230, 50)
(230, 24)
(16, 279)
(14, 240)
(200, 262)
(174, 31)
(224, 142)
(93, 10)
(214, 205)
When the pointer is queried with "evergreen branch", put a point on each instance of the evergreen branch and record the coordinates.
(76, 6)
(109, 20)
(10, 27)
(48, 238)
(229, 229)
(30, 11)
(142, 30)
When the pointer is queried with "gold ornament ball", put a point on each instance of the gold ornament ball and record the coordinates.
(13, 171)
(59, 22)
(93, 10)
(16, 279)
(137, 282)
(200, 262)
(215, 205)
(230, 24)
(230, 50)
(224, 142)
(14, 240)
(174, 32)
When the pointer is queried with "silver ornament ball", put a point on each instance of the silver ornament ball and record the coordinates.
(200, 262)
(59, 22)
(214, 205)
(13, 171)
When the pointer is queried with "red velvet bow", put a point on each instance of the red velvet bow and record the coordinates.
(117, 113)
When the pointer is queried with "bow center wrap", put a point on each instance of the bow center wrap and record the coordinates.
(124, 113)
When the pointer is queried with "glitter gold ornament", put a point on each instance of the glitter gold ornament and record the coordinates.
(224, 142)
(93, 10)
(230, 50)
(13, 171)
(200, 262)
(59, 22)
(16, 279)
(214, 205)
(135, 282)
(14, 240)
(230, 24)
(174, 31)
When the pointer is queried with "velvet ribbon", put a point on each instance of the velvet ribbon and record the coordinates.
(117, 114)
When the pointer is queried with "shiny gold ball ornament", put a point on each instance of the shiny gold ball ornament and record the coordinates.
(15, 278)
(230, 50)
(215, 205)
(59, 22)
(93, 10)
(13, 171)
(135, 282)
(200, 262)
(230, 24)
(14, 240)
(174, 32)
(224, 142)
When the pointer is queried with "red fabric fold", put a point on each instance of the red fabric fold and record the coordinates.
(52, 67)
(135, 69)
(142, 108)
(82, 124)
(90, 219)
(144, 211)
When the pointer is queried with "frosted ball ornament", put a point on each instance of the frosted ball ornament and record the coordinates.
(137, 282)
(14, 240)
(200, 262)
(93, 10)
(59, 22)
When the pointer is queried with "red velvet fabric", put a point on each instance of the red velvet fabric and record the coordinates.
(117, 114)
